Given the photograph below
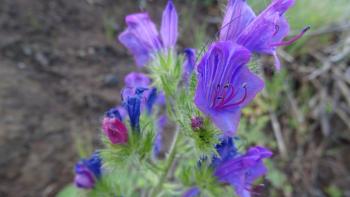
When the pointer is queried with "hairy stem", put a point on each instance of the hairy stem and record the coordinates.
(167, 168)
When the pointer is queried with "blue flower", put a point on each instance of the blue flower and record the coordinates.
(88, 171)
(133, 107)
(239, 170)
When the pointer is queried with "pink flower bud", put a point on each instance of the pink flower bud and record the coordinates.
(115, 130)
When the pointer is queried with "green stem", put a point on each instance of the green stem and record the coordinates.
(167, 168)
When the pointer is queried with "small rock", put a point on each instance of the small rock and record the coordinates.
(21, 65)
(42, 59)
(110, 81)
(27, 50)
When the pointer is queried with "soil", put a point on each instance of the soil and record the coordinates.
(58, 73)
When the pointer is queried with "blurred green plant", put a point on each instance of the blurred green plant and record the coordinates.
(334, 191)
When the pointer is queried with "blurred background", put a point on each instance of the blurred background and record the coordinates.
(61, 68)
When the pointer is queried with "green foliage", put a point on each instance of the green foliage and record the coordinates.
(334, 191)
(109, 28)
(324, 13)
(70, 191)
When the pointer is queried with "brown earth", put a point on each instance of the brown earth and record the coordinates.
(58, 73)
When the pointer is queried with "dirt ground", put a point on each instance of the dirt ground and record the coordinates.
(58, 73)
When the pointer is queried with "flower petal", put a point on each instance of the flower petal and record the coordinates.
(141, 37)
(227, 122)
(237, 16)
(143, 27)
(169, 31)
(137, 80)
(135, 46)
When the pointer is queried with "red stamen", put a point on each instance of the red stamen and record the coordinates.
(295, 38)
(240, 101)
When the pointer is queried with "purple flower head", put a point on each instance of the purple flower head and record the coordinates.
(133, 81)
(192, 192)
(261, 34)
(189, 63)
(142, 38)
(242, 171)
(114, 128)
(158, 141)
(139, 84)
(87, 171)
(225, 84)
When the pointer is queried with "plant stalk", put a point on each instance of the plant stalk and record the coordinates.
(168, 166)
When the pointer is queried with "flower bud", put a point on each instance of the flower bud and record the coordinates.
(88, 171)
(197, 123)
(84, 178)
(114, 128)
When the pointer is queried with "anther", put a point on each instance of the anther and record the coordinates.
(277, 28)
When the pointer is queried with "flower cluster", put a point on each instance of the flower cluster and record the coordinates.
(201, 101)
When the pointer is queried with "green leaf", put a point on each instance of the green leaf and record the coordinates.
(69, 191)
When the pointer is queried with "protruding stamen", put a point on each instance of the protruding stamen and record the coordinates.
(295, 38)
(240, 101)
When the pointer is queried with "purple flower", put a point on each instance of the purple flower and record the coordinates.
(87, 171)
(225, 84)
(192, 192)
(133, 81)
(142, 38)
(114, 128)
(189, 63)
(138, 81)
(242, 170)
(122, 111)
(237, 16)
(168, 30)
(261, 34)
(226, 150)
